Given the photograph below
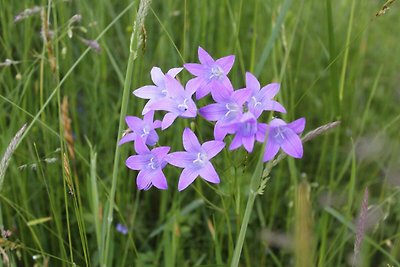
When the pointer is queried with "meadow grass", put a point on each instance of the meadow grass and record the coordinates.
(64, 186)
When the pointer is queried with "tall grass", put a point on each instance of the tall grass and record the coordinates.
(334, 60)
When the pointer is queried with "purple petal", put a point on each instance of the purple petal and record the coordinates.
(127, 138)
(212, 148)
(261, 132)
(143, 180)
(241, 96)
(161, 152)
(221, 130)
(152, 138)
(137, 162)
(292, 144)
(133, 122)
(174, 71)
(209, 174)
(226, 63)
(252, 83)
(156, 124)
(213, 112)
(187, 177)
(236, 142)
(147, 92)
(222, 94)
(163, 104)
(277, 122)
(157, 76)
(159, 180)
(190, 141)
(269, 91)
(191, 86)
(298, 125)
(248, 143)
(271, 149)
(204, 57)
(174, 87)
(203, 88)
(148, 117)
(191, 110)
(195, 69)
(168, 119)
(180, 159)
(140, 147)
(273, 105)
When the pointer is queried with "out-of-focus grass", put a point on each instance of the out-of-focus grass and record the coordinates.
(330, 68)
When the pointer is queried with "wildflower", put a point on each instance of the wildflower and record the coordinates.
(196, 159)
(211, 74)
(144, 129)
(179, 102)
(247, 131)
(92, 44)
(261, 100)
(229, 108)
(285, 136)
(157, 91)
(150, 165)
(27, 13)
(122, 229)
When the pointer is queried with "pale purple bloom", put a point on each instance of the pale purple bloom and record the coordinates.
(261, 100)
(150, 165)
(122, 229)
(286, 136)
(157, 91)
(144, 129)
(227, 109)
(179, 102)
(196, 159)
(247, 131)
(211, 74)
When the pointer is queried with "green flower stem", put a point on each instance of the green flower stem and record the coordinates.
(133, 49)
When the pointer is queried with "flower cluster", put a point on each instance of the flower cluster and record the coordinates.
(235, 112)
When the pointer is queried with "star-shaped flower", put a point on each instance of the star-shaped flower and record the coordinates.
(286, 136)
(179, 102)
(144, 129)
(150, 165)
(211, 74)
(227, 109)
(261, 100)
(157, 91)
(195, 160)
(247, 131)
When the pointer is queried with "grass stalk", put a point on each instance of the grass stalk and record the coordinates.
(135, 44)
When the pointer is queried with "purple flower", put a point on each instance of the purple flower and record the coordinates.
(285, 136)
(122, 228)
(211, 74)
(150, 165)
(196, 159)
(179, 102)
(157, 91)
(261, 100)
(247, 131)
(144, 129)
(228, 109)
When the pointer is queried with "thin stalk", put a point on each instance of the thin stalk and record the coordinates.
(134, 48)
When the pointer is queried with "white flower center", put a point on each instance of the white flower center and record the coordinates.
(153, 164)
(278, 134)
(255, 102)
(216, 73)
(145, 131)
(183, 107)
(232, 109)
(201, 159)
